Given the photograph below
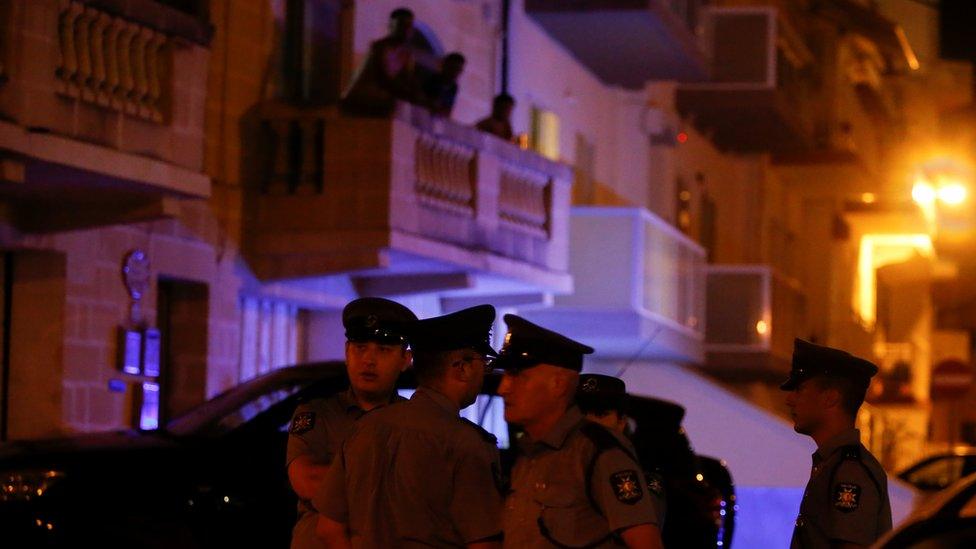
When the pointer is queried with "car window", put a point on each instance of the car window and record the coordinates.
(252, 408)
(937, 474)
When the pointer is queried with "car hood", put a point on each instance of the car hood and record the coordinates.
(30, 451)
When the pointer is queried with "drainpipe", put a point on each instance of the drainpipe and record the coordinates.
(506, 9)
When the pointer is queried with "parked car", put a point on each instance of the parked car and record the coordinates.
(215, 476)
(699, 489)
(946, 521)
(941, 470)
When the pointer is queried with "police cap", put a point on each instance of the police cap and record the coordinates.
(527, 345)
(465, 329)
(812, 360)
(376, 319)
(600, 393)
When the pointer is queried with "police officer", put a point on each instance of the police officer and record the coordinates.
(603, 399)
(376, 353)
(415, 473)
(575, 484)
(845, 503)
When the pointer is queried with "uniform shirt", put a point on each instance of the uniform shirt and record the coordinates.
(549, 504)
(846, 498)
(317, 428)
(412, 474)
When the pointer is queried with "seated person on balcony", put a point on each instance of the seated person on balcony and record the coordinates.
(441, 87)
(388, 73)
(499, 123)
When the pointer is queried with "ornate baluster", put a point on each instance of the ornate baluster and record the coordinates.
(69, 57)
(141, 88)
(98, 32)
(154, 71)
(83, 51)
(126, 78)
(111, 52)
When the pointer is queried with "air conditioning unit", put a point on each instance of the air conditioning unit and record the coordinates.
(740, 43)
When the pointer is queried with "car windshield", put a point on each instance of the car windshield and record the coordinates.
(242, 403)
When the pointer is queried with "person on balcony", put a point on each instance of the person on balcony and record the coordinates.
(388, 73)
(845, 503)
(441, 88)
(500, 122)
(376, 353)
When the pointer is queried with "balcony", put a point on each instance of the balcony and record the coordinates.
(760, 97)
(639, 40)
(639, 287)
(407, 204)
(753, 315)
(102, 108)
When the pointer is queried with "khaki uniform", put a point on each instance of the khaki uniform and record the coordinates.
(415, 474)
(318, 427)
(846, 498)
(549, 504)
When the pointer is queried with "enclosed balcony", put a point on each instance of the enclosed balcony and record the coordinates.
(102, 108)
(760, 96)
(639, 40)
(639, 287)
(405, 204)
(753, 315)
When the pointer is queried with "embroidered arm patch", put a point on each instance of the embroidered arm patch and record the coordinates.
(302, 423)
(847, 497)
(626, 486)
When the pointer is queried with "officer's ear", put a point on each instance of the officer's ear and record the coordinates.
(831, 397)
(407, 359)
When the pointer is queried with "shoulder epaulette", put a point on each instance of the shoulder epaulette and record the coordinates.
(485, 434)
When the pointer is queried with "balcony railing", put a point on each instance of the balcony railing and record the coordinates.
(639, 287)
(754, 313)
(342, 193)
(139, 59)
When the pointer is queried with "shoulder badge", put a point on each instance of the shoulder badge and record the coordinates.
(626, 486)
(847, 497)
(302, 423)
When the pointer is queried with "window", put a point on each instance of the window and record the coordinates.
(938, 473)
(273, 334)
(311, 48)
(545, 133)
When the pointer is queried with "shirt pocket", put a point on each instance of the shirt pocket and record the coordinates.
(565, 517)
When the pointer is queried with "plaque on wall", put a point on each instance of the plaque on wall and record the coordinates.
(149, 407)
(150, 352)
(130, 351)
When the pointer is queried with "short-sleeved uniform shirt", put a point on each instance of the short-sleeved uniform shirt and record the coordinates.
(549, 504)
(415, 474)
(317, 428)
(846, 498)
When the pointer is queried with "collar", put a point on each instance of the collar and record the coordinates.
(347, 399)
(556, 436)
(846, 437)
(441, 400)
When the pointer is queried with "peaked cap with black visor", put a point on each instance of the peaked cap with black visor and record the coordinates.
(527, 345)
(378, 320)
(465, 329)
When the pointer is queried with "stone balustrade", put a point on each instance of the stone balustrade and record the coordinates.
(112, 62)
(412, 175)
